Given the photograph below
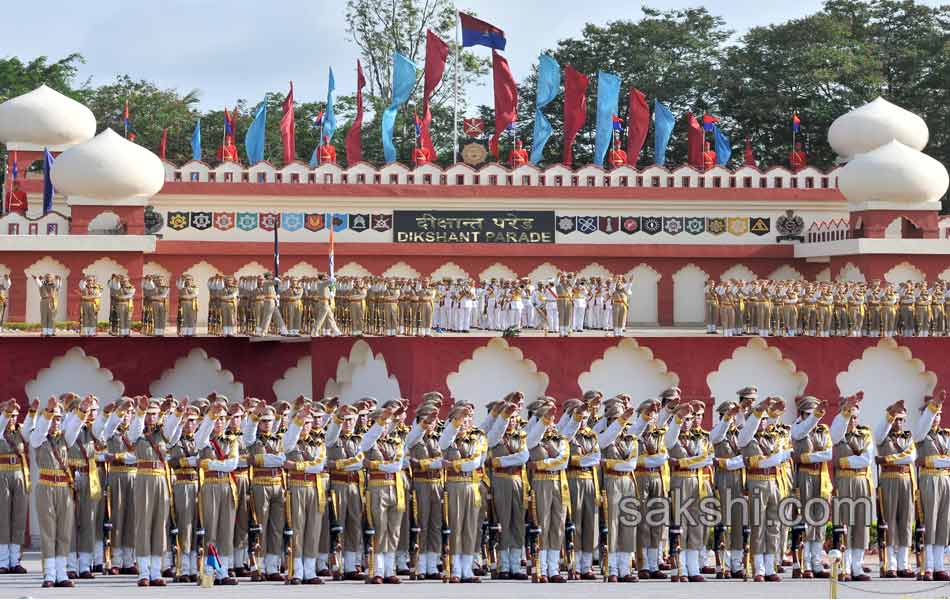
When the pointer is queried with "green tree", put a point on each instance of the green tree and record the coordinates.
(669, 55)
(380, 28)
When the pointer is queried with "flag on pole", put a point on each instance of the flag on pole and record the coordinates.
(506, 98)
(196, 141)
(437, 52)
(228, 123)
(618, 123)
(723, 146)
(663, 122)
(329, 119)
(125, 117)
(354, 144)
(476, 32)
(796, 123)
(16, 171)
(330, 257)
(709, 122)
(288, 128)
(404, 78)
(638, 123)
(163, 144)
(549, 84)
(254, 140)
(694, 141)
(214, 562)
(48, 190)
(608, 94)
(575, 109)
(418, 121)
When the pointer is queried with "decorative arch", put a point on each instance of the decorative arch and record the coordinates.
(945, 274)
(628, 368)
(353, 269)
(740, 272)
(493, 371)
(401, 269)
(450, 270)
(760, 365)
(196, 375)
(786, 272)
(886, 373)
(106, 221)
(498, 271)
(689, 284)
(104, 269)
(824, 275)
(45, 265)
(894, 229)
(153, 268)
(644, 297)
(362, 374)
(251, 269)
(849, 273)
(75, 372)
(303, 269)
(904, 272)
(543, 272)
(202, 272)
(595, 270)
(296, 381)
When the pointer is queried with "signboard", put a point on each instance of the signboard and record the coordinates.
(473, 227)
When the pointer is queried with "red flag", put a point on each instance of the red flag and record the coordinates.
(694, 142)
(638, 123)
(288, 128)
(163, 144)
(575, 109)
(354, 146)
(749, 155)
(437, 52)
(506, 98)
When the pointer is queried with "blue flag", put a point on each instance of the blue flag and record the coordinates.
(608, 94)
(196, 142)
(254, 141)
(329, 119)
(404, 77)
(723, 147)
(48, 190)
(662, 129)
(549, 84)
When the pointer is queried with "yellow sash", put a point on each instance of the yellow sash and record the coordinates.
(825, 487)
(95, 488)
(400, 493)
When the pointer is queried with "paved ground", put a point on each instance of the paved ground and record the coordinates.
(22, 586)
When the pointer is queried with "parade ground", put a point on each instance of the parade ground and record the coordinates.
(123, 586)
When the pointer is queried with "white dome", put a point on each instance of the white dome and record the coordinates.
(45, 117)
(875, 124)
(108, 167)
(893, 173)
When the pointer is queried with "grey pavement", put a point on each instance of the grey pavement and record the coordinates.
(123, 586)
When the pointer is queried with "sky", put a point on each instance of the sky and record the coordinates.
(244, 48)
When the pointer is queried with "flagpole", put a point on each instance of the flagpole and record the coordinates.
(224, 132)
(455, 108)
(276, 249)
(793, 132)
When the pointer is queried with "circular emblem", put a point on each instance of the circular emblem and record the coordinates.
(153, 220)
(474, 154)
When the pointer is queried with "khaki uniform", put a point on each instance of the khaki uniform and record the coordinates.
(895, 486)
(323, 312)
(183, 460)
(551, 496)
(619, 303)
(387, 497)
(730, 484)
(425, 307)
(813, 482)
(154, 307)
(308, 503)
(242, 515)
(121, 484)
(267, 498)
(933, 456)
(347, 487)
(49, 298)
(14, 493)
(619, 485)
(652, 484)
(584, 486)
(565, 306)
(266, 306)
(765, 492)
(219, 496)
(88, 486)
(357, 308)
(464, 498)
(151, 496)
(856, 485)
(54, 503)
(187, 307)
(509, 498)
(428, 487)
(90, 298)
(291, 307)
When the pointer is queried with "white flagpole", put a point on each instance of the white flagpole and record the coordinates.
(455, 110)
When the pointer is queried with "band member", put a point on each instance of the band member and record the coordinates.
(155, 292)
(49, 286)
(187, 305)
(90, 297)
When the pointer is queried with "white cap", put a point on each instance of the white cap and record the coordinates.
(893, 176)
(108, 167)
(873, 125)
